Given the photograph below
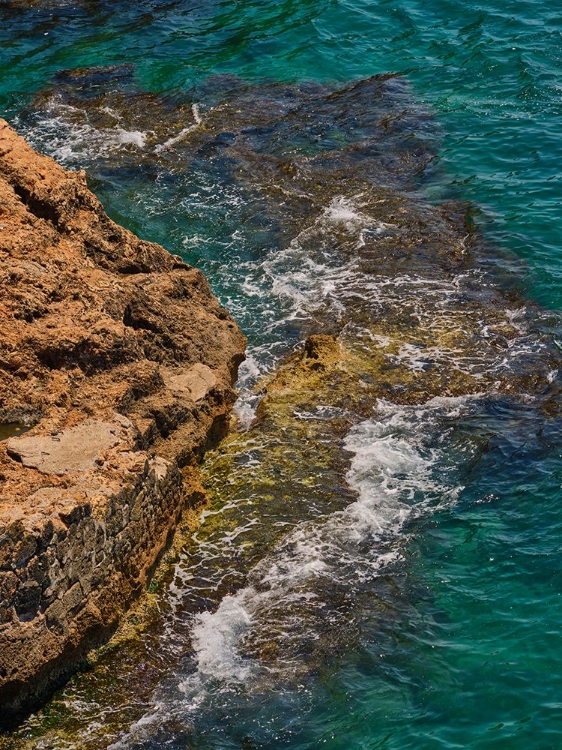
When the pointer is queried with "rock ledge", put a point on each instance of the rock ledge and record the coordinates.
(118, 361)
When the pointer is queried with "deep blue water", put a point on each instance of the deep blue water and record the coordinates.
(470, 653)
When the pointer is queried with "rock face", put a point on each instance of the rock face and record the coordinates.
(120, 361)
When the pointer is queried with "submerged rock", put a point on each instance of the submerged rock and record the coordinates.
(120, 362)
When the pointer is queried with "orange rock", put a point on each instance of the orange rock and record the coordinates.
(120, 361)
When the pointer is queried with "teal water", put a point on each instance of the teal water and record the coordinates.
(468, 653)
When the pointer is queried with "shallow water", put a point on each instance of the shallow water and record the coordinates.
(404, 591)
(11, 429)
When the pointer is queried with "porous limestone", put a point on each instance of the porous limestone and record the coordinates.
(118, 361)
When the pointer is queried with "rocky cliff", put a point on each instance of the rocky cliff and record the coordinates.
(116, 372)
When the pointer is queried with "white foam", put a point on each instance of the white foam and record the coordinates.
(72, 140)
(135, 137)
(183, 133)
(249, 373)
(215, 636)
(287, 289)
(395, 472)
(140, 730)
(341, 209)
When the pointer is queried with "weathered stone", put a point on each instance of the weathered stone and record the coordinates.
(120, 360)
(196, 382)
(27, 600)
(73, 599)
(6, 551)
(24, 550)
(68, 451)
(7, 614)
(8, 586)
(55, 616)
(38, 570)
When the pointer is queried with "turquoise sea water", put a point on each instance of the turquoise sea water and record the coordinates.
(469, 653)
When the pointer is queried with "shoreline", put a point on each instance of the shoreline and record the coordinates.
(119, 361)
